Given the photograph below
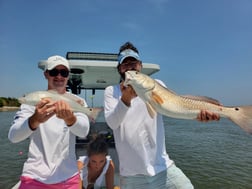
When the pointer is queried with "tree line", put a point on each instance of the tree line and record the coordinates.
(9, 102)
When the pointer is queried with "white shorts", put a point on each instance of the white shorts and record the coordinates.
(172, 178)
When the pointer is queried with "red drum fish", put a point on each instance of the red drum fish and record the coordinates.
(166, 102)
(74, 102)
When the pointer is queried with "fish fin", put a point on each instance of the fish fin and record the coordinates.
(203, 98)
(152, 112)
(157, 98)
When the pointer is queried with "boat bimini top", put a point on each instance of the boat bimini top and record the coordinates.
(95, 70)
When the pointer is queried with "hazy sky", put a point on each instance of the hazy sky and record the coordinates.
(204, 47)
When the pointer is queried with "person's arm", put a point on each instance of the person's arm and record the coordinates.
(81, 126)
(29, 118)
(78, 123)
(114, 108)
(20, 129)
(109, 176)
(44, 110)
(128, 94)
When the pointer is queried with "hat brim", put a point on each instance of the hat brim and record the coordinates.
(128, 53)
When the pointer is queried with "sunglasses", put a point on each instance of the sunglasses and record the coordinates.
(54, 72)
(129, 64)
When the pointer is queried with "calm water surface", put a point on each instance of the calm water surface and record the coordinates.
(216, 155)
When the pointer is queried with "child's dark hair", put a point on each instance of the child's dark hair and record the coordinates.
(98, 145)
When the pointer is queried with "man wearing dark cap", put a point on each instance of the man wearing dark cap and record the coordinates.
(140, 140)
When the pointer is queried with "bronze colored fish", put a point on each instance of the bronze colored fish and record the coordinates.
(166, 102)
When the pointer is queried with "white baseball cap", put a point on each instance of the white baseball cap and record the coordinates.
(128, 53)
(54, 61)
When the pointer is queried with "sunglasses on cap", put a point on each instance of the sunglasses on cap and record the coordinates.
(54, 72)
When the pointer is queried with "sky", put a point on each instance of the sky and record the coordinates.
(203, 47)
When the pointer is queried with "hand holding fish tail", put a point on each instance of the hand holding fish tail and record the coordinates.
(43, 111)
(206, 116)
(64, 111)
(128, 94)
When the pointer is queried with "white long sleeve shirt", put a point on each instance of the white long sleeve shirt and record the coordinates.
(139, 139)
(51, 157)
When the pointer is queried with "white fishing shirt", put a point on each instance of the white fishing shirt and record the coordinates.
(139, 139)
(100, 181)
(51, 157)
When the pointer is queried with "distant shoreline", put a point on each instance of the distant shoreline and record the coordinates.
(8, 108)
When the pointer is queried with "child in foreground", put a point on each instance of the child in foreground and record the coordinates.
(97, 168)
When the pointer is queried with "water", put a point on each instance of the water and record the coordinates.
(12, 156)
(216, 155)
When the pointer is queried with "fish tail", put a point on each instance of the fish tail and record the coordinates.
(242, 116)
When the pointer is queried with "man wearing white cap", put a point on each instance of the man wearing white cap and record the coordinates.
(51, 127)
(139, 139)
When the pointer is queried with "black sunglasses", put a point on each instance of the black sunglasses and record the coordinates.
(54, 72)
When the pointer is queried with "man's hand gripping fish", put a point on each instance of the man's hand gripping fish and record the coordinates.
(166, 102)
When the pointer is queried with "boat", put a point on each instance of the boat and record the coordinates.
(95, 71)
(91, 71)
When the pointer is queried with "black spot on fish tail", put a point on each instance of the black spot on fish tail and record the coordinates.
(237, 109)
